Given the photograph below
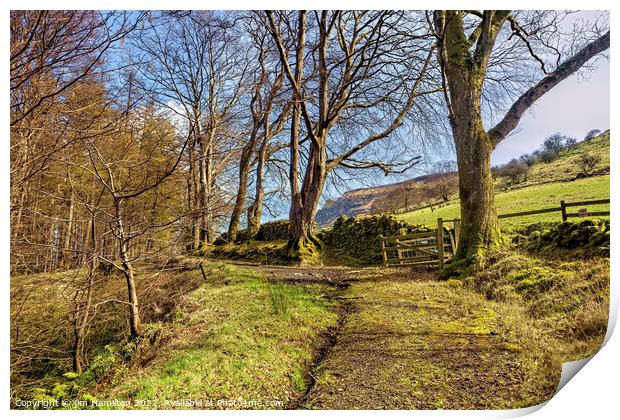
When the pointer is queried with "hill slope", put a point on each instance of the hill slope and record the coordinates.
(360, 201)
(419, 193)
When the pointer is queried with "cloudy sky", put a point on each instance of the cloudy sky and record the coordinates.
(573, 108)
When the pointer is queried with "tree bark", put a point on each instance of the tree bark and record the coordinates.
(128, 272)
(295, 212)
(235, 217)
(255, 211)
(465, 77)
(303, 243)
(244, 171)
(476, 191)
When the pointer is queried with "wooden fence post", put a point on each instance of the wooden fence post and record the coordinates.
(440, 242)
(563, 209)
(383, 251)
(457, 232)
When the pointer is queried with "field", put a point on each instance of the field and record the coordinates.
(524, 199)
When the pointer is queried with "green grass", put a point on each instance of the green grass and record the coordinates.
(524, 199)
(566, 167)
(237, 335)
(545, 186)
(569, 300)
(245, 338)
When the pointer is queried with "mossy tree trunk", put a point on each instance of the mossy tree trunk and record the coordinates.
(244, 170)
(464, 59)
(255, 211)
(302, 240)
(480, 225)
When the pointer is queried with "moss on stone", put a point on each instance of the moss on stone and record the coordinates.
(357, 241)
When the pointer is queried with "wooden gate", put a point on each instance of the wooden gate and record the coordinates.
(435, 247)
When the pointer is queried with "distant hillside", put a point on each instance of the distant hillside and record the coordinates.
(431, 190)
(363, 201)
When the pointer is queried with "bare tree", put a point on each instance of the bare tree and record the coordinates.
(352, 67)
(191, 64)
(445, 179)
(123, 174)
(515, 171)
(592, 133)
(266, 91)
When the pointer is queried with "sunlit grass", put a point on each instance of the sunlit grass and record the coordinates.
(526, 199)
(243, 339)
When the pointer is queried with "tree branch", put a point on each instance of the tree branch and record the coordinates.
(570, 66)
(397, 122)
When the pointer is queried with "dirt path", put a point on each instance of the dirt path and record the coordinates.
(408, 341)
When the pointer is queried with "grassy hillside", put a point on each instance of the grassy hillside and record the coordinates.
(524, 199)
(546, 184)
(566, 167)
(240, 338)
(421, 192)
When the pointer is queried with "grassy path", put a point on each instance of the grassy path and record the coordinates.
(424, 344)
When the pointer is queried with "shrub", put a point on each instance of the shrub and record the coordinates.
(514, 171)
(547, 156)
(587, 162)
(570, 143)
(528, 159)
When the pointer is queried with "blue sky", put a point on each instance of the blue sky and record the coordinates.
(574, 107)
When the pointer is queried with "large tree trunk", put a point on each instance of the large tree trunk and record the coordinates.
(465, 76)
(303, 244)
(479, 218)
(244, 170)
(235, 217)
(296, 209)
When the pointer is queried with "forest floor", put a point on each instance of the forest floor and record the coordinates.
(407, 341)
